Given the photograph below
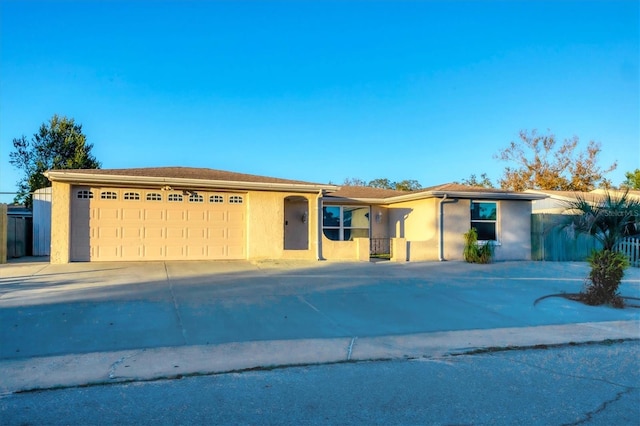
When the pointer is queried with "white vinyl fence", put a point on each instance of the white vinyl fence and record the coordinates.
(630, 247)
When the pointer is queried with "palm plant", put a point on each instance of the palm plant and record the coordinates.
(608, 220)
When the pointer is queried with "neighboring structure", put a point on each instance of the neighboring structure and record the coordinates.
(42, 222)
(19, 231)
(174, 213)
(551, 239)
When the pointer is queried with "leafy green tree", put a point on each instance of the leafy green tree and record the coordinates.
(384, 183)
(632, 181)
(407, 185)
(542, 163)
(58, 144)
(483, 182)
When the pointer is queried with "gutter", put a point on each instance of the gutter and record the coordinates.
(444, 200)
(319, 225)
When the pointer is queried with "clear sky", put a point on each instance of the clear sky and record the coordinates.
(322, 91)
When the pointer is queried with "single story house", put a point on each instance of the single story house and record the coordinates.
(179, 213)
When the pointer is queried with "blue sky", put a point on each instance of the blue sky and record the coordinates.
(322, 91)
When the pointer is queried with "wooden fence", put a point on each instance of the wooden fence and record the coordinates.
(550, 240)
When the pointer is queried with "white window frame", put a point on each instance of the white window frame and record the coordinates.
(496, 222)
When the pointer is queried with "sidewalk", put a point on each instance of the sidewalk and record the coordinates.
(78, 324)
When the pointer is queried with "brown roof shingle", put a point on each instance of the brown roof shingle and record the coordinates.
(190, 173)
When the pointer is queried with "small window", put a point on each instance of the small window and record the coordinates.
(216, 199)
(109, 195)
(235, 199)
(174, 197)
(131, 196)
(484, 216)
(154, 196)
(84, 194)
(196, 198)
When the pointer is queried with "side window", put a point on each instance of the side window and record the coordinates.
(484, 217)
(109, 195)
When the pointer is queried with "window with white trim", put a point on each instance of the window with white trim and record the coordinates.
(154, 196)
(133, 196)
(174, 197)
(216, 199)
(196, 198)
(108, 195)
(344, 223)
(84, 194)
(484, 218)
(235, 199)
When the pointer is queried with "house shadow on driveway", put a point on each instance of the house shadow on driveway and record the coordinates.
(92, 307)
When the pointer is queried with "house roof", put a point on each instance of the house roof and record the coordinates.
(594, 196)
(182, 177)
(356, 192)
(452, 190)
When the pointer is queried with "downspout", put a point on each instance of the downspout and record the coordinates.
(319, 225)
(444, 200)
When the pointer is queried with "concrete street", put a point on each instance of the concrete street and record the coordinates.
(594, 384)
(68, 325)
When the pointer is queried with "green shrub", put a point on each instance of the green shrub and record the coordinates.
(607, 270)
(473, 251)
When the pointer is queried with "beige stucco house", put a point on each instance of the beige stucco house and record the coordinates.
(178, 213)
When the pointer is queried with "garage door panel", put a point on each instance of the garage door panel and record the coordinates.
(131, 252)
(131, 232)
(198, 215)
(153, 233)
(175, 215)
(153, 214)
(153, 251)
(175, 252)
(132, 214)
(175, 233)
(108, 232)
(152, 228)
(106, 213)
(108, 252)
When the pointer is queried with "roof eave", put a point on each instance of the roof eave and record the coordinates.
(180, 183)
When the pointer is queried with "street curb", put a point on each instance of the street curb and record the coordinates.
(53, 372)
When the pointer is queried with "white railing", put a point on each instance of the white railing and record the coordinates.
(630, 247)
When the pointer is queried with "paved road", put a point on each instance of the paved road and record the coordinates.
(591, 385)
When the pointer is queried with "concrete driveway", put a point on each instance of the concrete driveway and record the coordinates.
(88, 308)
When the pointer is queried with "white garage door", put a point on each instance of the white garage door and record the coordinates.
(133, 224)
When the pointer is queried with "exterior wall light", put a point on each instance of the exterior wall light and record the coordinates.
(304, 217)
(378, 217)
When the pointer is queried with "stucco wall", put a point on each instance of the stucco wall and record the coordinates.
(266, 226)
(515, 231)
(416, 221)
(419, 223)
(60, 222)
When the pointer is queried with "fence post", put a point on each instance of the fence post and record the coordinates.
(3, 233)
